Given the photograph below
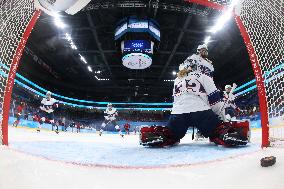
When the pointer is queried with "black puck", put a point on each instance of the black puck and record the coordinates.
(268, 161)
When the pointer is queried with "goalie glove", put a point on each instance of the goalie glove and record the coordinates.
(55, 105)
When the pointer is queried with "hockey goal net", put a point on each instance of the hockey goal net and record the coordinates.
(261, 24)
(17, 18)
(264, 21)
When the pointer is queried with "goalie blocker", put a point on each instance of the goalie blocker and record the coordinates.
(228, 134)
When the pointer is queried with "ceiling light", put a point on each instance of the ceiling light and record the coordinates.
(207, 40)
(234, 3)
(101, 79)
(90, 69)
(83, 59)
(224, 17)
(55, 14)
(220, 23)
(59, 23)
(174, 72)
(73, 46)
(68, 37)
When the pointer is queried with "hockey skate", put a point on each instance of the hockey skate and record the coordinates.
(199, 137)
(100, 132)
(121, 134)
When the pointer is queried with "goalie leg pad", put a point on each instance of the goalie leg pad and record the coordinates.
(231, 134)
(156, 136)
(242, 127)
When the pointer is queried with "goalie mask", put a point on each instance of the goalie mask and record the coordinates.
(202, 50)
(202, 47)
(48, 94)
(228, 88)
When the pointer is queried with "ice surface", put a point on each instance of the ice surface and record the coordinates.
(22, 170)
(113, 150)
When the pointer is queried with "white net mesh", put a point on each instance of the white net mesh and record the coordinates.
(264, 22)
(14, 17)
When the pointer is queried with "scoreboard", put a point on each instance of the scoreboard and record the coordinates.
(136, 38)
(142, 46)
(133, 24)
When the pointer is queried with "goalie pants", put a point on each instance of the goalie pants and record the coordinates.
(205, 121)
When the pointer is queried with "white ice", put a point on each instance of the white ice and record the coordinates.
(70, 160)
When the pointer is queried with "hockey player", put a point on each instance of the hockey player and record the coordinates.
(200, 62)
(110, 118)
(19, 111)
(47, 107)
(137, 129)
(231, 108)
(127, 128)
(192, 92)
(78, 127)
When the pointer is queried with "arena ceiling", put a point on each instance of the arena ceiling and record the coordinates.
(183, 27)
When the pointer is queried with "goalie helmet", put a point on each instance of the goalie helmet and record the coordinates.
(228, 87)
(109, 105)
(202, 47)
(48, 93)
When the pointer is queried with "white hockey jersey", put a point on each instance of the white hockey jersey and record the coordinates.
(110, 114)
(201, 65)
(196, 92)
(229, 100)
(48, 105)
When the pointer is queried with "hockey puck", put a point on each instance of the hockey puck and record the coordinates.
(268, 161)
